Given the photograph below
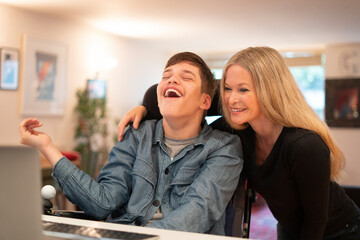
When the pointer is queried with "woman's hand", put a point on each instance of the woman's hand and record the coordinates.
(133, 116)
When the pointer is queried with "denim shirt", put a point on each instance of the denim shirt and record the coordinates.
(192, 190)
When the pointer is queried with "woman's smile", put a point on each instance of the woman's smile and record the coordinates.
(237, 110)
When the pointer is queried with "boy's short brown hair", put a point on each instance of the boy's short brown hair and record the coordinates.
(208, 83)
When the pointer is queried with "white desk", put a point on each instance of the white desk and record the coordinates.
(164, 234)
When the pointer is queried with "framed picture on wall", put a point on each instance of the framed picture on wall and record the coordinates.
(44, 80)
(96, 88)
(9, 69)
(342, 102)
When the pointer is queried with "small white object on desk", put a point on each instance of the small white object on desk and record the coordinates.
(48, 192)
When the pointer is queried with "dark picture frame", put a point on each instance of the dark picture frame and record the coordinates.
(342, 102)
(9, 70)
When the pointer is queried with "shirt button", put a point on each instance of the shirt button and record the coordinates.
(156, 203)
(137, 222)
(167, 171)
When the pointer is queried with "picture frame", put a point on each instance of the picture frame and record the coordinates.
(9, 70)
(342, 102)
(96, 88)
(44, 77)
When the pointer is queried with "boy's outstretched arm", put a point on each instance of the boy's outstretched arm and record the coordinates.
(39, 140)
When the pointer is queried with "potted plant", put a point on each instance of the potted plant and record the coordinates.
(91, 131)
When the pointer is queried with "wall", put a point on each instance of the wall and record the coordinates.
(140, 64)
(343, 61)
(126, 82)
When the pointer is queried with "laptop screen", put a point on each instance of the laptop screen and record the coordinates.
(20, 201)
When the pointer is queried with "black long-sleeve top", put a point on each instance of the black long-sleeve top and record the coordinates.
(294, 179)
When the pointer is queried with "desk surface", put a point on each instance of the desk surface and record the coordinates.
(162, 233)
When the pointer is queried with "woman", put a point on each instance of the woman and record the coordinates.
(290, 157)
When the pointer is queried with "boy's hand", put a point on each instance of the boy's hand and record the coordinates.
(29, 136)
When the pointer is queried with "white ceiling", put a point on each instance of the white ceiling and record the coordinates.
(215, 25)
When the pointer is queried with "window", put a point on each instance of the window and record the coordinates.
(308, 71)
(311, 81)
(217, 73)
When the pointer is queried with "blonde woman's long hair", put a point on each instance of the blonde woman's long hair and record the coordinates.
(280, 99)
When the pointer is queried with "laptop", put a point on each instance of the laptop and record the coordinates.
(21, 203)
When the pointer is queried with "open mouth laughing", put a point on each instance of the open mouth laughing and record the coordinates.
(172, 93)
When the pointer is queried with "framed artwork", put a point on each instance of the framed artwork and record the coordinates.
(96, 88)
(44, 77)
(9, 69)
(342, 102)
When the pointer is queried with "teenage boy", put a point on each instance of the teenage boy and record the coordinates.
(175, 173)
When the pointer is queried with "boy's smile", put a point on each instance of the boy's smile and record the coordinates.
(172, 92)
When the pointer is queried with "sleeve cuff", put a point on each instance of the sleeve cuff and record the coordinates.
(62, 169)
